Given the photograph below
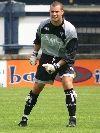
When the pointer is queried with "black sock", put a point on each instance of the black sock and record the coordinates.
(71, 101)
(30, 102)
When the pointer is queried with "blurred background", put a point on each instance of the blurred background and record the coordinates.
(19, 20)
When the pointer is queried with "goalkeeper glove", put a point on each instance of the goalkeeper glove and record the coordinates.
(51, 68)
(33, 58)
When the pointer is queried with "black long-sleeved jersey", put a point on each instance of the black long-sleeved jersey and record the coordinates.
(58, 41)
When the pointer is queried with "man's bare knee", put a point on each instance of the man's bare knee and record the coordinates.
(37, 88)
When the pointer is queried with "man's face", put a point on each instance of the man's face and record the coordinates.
(56, 13)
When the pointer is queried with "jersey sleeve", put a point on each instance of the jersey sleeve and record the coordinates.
(38, 33)
(71, 50)
(38, 37)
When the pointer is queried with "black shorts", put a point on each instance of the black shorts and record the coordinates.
(42, 75)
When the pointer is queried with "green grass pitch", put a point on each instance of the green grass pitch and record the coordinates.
(50, 114)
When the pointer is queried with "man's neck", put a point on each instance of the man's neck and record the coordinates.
(57, 23)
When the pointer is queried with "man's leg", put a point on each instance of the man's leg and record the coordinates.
(31, 100)
(71, 105)
(70, 100)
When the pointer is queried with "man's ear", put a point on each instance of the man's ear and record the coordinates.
(62, 12)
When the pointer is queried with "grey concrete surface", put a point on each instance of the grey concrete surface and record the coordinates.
(27, 56)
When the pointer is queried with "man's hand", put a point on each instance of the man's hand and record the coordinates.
(33, 58)
(51, 68)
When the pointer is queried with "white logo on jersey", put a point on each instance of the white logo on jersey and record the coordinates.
(52, 41)
(46, 28)
(61, 33)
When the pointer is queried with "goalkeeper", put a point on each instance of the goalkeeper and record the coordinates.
(57, 39)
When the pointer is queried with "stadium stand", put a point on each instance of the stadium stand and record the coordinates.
(85, 15)
(65, 2)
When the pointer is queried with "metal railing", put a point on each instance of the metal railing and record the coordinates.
(83, 48)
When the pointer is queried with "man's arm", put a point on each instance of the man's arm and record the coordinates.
(37, 47)
(69, 57)
(33, 58)
(61, 62)
(71, 50)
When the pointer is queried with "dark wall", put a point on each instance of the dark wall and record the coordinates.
(65, 2)
(83, 19)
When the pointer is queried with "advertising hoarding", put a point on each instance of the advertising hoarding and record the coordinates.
(3, 74)
(21, 74)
